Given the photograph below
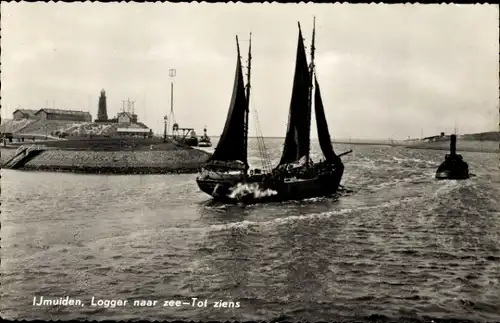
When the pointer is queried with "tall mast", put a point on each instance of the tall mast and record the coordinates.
(311, 72)
(248, 97)
(249, 68)
(171, 97)
(312, 51)
(171, 118)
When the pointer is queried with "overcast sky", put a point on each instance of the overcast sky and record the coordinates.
(385, 71)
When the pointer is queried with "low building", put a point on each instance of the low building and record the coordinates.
(24, 114)
(65, 115)
(134, 130)
(127, 117)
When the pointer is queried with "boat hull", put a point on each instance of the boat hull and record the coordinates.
(219, 189)
(257, 189)
(189, 141)
(453, 168)
(204, 144)
(452, 174)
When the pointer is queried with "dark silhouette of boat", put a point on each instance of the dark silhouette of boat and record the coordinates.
(226, 175)
(205, 140)
(453, 167)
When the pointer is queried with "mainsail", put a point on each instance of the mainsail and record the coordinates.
(297, 141)
(231, 146)
(323, 133)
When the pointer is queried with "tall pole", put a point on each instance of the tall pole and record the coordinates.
(171, 121)
(130, 108)
(311, 72)
(313, 48)
(165, 119)
(249, 73)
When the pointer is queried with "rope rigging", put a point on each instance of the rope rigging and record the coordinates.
(264, 156)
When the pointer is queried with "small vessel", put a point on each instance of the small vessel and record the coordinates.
(453, 167)
(185, 136)
(205, 140)
(192, 139)
(226, 175)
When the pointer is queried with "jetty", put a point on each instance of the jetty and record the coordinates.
(106, 156)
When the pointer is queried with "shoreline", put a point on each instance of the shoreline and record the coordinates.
(467, 150)
(107, 170)
(471, 146)
(119, 162)
(168, 158)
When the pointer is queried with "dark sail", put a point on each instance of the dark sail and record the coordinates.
(231, 145)
(323, 133)
(297, 139)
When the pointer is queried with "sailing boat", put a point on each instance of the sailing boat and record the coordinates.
(225, 176)
(228, 165)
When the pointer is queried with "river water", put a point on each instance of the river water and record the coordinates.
(398, 245)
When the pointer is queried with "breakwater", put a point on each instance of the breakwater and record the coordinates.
(462, 146)
(116, 162)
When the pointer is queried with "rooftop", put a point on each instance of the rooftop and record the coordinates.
(66, 112)
(27, 111)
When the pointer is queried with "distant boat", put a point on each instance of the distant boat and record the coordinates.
(188, 137)
(225, 176)
(205, 140)
(453, 167)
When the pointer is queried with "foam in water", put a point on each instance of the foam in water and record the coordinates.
(241, 190)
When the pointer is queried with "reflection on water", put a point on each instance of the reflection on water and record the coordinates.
(398, 245)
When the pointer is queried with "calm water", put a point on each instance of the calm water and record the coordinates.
(400, 245)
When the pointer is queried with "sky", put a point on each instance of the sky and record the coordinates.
(385, 71)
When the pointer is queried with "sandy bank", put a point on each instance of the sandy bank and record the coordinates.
(116, 162)
(462, 145)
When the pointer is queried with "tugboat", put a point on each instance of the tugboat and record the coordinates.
(453, 167)
(205, 139)
(226, 175)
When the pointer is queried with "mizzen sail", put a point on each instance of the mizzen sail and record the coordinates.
(323, 133)
(232, 143)
(297, 140)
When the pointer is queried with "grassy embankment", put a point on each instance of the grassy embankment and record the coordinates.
(116, 155)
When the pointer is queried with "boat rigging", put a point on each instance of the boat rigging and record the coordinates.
(295, 176)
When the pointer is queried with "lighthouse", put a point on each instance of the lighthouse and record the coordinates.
(102, 112)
